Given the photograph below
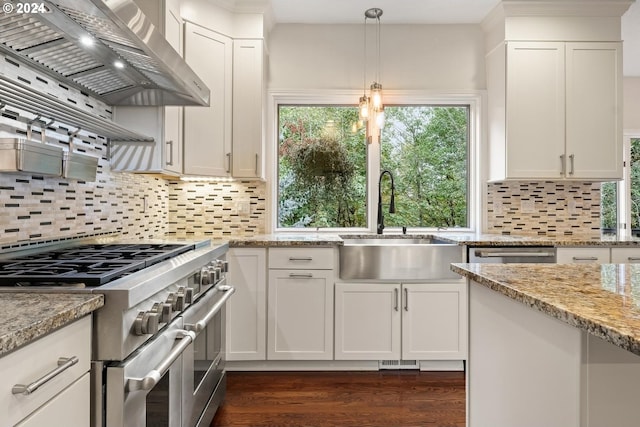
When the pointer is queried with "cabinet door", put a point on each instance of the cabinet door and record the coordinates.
(625, 255)
(594, 106)
(583, 255)
(207, 130)
(300, 315)
(367, 321)
(434, 321)
(70, 408)
(173, 114)
(246, 310)
(535, 109)
(248, 84)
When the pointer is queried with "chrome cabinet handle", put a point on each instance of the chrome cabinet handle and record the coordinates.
(563, 165)
(301, 275)
(304, 258)
(64, 363)
(201, 324)
(150, 380)
(170, 160)
(256, 164)
(395, 296)
(571, 169)
(633, 258)
(585, 258)
(488, 254)
(406, 299)
(228, 163)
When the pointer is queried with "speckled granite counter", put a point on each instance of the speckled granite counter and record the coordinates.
(294, 239)
(603, 300)
(27, 316)
(469, 239)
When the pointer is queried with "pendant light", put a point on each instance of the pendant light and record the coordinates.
(371, 107)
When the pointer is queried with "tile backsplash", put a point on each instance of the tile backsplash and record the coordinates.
(545, 208)
(218, 209)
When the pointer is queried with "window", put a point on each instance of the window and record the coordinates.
(620, 202)
(321, 167)
(327, 175)
(426, 150)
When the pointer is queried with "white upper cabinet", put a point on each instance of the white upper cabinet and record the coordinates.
(555, 110)
(207, 130)
(248, 84)
(594, 110)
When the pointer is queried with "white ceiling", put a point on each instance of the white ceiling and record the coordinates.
(425, 12)
(394, 11)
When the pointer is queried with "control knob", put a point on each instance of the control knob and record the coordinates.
(176, 300)
(163, 310)
(147, 322)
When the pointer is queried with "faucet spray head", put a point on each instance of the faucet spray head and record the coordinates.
(392, 204)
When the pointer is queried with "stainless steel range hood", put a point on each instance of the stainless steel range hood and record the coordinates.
(150, 71)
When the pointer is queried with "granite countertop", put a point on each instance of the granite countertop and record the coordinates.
(26, 316)
(460, 238)
(602, 299)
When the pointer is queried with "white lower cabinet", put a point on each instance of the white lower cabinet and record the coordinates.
(411, 321)
(64, 399)
(583, 255)
(71, 408)
(300, 315)
(246, 310)
(368, 320)
(625, 255)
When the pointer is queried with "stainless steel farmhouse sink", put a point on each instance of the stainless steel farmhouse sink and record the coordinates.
(390, 258)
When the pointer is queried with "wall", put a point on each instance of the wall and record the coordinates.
(421, 57)
(631, 99)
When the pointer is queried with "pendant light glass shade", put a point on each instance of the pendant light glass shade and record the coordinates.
(363, 107)
(371, 108)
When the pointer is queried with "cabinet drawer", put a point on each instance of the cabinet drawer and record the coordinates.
(583, 255)
(625, 255)
(35, 360)
(306, 258)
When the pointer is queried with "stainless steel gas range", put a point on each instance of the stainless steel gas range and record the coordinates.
(158, 358)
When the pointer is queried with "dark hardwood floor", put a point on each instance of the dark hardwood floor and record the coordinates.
(343, 399)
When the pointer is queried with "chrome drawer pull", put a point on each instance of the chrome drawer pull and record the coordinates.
(304, 258)
(150, 380)
(487, 254)
(64, 363)
(585, 258)
(301, 275)
(395, 294)
(633, 258)
(200, 325)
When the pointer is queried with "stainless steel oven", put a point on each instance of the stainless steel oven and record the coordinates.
(157, 341)
(145, 390)
(204, 361)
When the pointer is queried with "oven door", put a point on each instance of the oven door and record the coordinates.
(204, 376)
(146, 389)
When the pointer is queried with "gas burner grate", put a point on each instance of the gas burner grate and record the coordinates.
(93, 265)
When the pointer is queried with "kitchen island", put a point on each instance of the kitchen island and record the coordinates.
(553, 344)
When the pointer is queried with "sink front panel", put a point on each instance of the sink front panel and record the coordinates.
(399, 262)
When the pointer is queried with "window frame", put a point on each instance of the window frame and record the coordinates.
(341, 97)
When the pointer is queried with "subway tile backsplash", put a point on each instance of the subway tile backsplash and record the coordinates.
(544, 208)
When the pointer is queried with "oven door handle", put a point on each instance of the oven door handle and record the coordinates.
(200, 325)
(150, 380)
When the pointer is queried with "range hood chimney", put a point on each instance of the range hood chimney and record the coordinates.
(106, 48)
